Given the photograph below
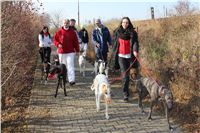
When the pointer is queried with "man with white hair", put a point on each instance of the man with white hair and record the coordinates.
(67, 45)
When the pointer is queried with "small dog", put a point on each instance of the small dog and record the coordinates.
(82, 62)
(157, 93)
(61, 71)
(102, 88)
(45, 66)
(100, 68)
(44, 72)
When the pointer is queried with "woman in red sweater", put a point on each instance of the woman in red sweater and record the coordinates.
(125, 50)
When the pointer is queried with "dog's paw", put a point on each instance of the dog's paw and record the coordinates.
(171, 129)
(107, 117)
(142, 112)
(149, 119)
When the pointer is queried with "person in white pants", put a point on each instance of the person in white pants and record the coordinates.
(67, 45)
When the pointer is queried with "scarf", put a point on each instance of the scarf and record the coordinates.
(124, 33)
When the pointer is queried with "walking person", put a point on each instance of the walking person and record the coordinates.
(72, 24)
(101, 39)
(125, 50)
(45, 43)
(67, 45)
(83, 35)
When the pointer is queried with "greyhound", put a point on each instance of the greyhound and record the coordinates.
(61, 71)
(102, 88)
(45, 71)
(157, 93)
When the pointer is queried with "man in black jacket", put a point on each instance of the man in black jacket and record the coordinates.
(83, 35)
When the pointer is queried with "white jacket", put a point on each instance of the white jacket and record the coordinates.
(44, 42)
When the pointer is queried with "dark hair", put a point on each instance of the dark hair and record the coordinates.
(73, 20)
(130, 25)
(42, 33)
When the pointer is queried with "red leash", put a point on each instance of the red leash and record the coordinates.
(118, 78)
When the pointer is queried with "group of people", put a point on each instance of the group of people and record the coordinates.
(69, 41)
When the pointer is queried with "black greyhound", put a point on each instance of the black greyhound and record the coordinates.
(61, 71)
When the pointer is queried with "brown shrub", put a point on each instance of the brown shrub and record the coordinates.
(20, 28)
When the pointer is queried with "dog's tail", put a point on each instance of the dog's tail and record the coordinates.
(92, 87)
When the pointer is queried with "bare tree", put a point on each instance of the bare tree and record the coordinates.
(56, 19)
(184, 7)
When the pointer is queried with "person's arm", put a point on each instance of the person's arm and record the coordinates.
(75, 42)
(56, 39)
(94, 39)
(135, 44)
(87, 38)
(109, 38)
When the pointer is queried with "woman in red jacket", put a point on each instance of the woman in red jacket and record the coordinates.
(125, 50)
(67, 45)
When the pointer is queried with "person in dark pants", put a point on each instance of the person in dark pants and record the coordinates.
(100, 39)
(125, 50)
(45, 43)
(83, 35)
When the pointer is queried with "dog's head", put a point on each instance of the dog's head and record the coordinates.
(102, 66)
(56, 60)
(83, 53)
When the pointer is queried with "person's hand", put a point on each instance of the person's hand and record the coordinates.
(59, 45)
(97, 45)
(135, 54)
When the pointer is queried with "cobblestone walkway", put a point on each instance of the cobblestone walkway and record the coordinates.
(77, 111)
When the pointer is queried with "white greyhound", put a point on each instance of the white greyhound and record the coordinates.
(102, 88)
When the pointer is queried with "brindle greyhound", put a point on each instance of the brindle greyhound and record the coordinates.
(157, 93)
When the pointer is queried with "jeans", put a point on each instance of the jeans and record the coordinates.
(124, 64)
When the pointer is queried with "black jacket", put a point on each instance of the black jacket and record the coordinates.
(83, 35)
(134, 47)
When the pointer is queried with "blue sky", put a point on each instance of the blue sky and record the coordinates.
(108, 9)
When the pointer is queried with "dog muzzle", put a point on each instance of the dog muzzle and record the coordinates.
(107, 99)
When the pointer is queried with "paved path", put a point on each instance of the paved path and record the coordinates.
(77, 112)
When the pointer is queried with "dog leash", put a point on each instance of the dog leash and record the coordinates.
(148, 74)
(118, 78)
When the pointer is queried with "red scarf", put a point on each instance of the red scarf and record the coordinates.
(46, 34)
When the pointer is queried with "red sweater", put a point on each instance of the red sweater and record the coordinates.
(124, 46)
(68, 39)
